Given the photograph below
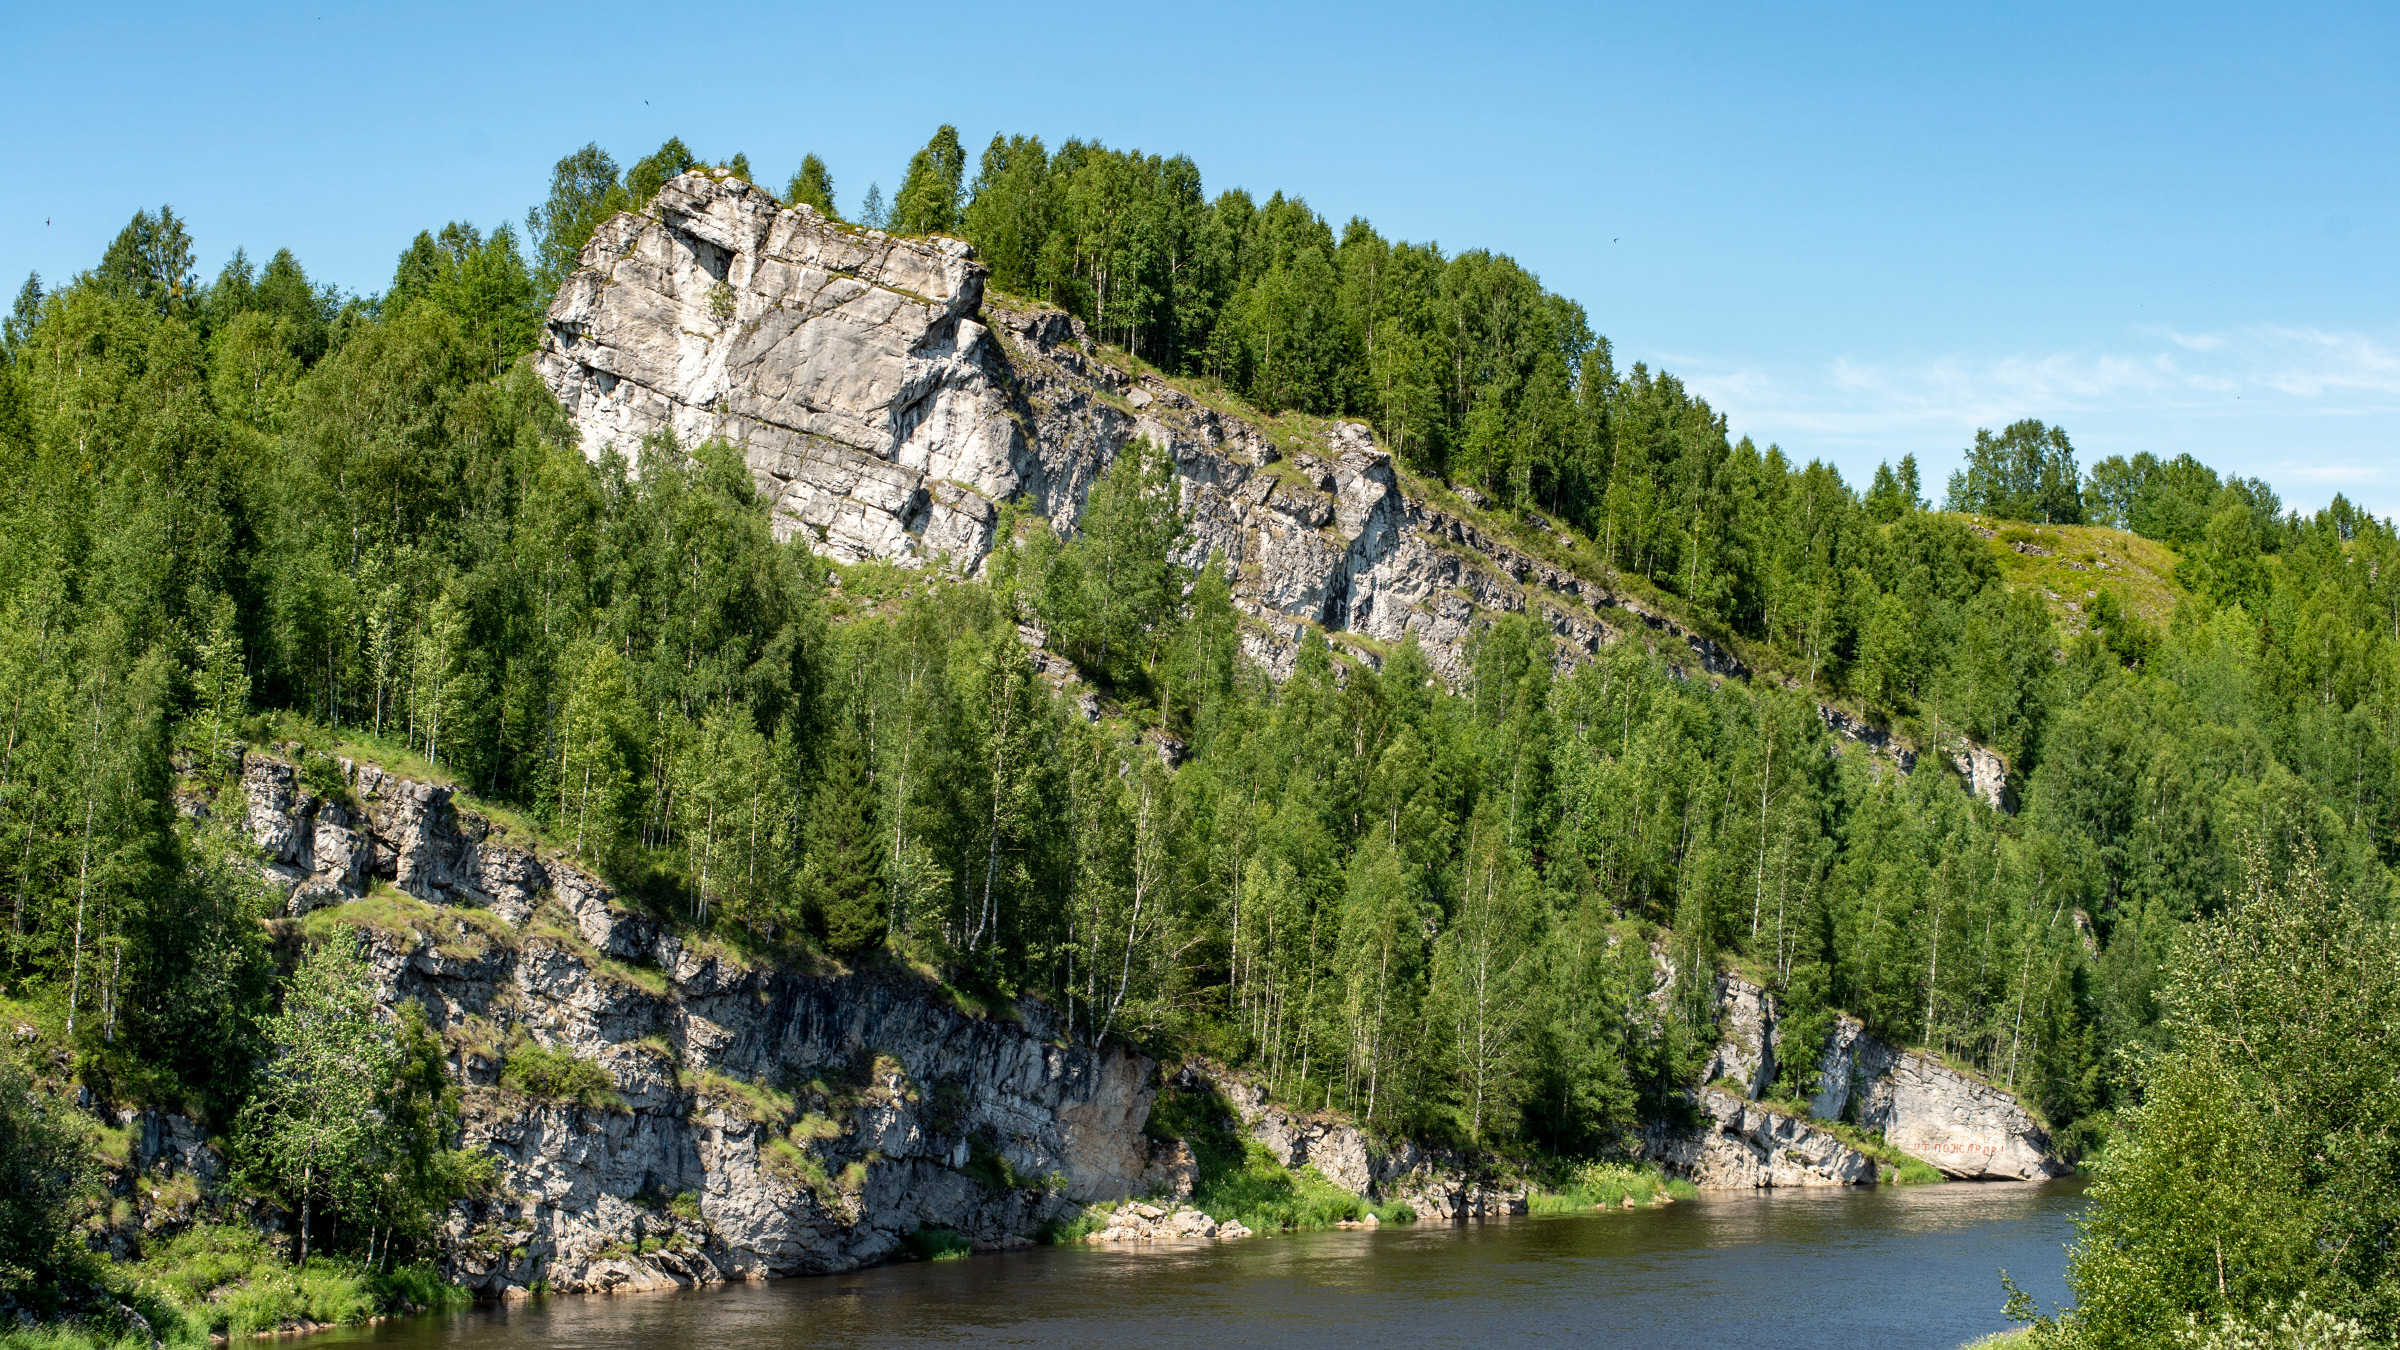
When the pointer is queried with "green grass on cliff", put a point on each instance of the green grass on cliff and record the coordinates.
(1239, 1179)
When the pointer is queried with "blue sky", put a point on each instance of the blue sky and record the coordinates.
(1860, 231)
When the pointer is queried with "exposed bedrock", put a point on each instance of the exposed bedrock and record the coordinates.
(1966, 1128)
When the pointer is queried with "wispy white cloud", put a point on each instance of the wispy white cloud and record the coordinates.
(2313, 408)
(2237, 373)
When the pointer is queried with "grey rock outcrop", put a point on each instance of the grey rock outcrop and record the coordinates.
(761, 1122)
(1739, 1145)
(1969, 1129)
(885, 405)
(1746, 1021)
(1137, 1221)
(1966, 1128)
(320, 850)
(1437, 1184)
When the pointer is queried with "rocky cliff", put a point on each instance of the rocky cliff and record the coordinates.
(758, 1121)
(886, 404)
(1736, 1144)
(1968, 1129)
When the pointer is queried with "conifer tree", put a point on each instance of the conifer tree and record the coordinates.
(812, 186)
(927, 202)
(842, 880)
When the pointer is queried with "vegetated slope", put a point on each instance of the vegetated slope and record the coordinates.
(2071, 565)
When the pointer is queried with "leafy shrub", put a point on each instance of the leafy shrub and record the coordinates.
(1091, 1219)
(794, 1165)
(559, 1076)
(228, 1281)
(41, 1165)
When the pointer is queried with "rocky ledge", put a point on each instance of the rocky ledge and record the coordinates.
(1965, 1128)
(1740, 1145)
(1138, 1221)
(1439, 1184)
(1969, 1129)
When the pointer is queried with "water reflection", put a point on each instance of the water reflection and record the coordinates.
(1854, 1268)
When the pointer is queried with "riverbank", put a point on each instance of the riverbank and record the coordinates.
(1884, 1268)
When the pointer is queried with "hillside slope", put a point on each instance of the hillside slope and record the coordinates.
(887, 405)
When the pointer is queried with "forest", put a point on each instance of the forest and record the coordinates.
(253, 508)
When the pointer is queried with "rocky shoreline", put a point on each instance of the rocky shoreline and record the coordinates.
(770, 1122)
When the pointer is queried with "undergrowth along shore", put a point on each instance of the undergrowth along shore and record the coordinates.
(1601, 1185)
(226, 1280)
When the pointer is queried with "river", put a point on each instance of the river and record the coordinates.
(1882, 1267)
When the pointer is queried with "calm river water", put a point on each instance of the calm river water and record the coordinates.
(1913, 1267)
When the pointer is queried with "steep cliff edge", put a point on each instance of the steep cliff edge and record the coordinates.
(758, 1121)
(1739, 1145)
(886, 405)
(1964, 1128)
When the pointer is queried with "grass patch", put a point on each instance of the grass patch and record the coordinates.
(1060, 1232)
(795, 1166)
(2001, 1340)
(938, 1244)
(224, 1280)
(1606, 1185)
(1239, 1179)
(457, 932)
(1892, 1167)
(2073, 563)
(559, 1076)
(758, 1103)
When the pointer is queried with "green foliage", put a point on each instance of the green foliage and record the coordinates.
(42, 1167)
(480, 288)
(812, 186)
(937, 1244)
(651, 172)
(1107, 596)
(1066, 1232)
(2257, 1173)
(584, 191)
(311, 1126)
(843, 877)
(927, 202)
(151, 261)
(2027, 472)
(559, 1075)
(1606, 1185)
(1447, 906)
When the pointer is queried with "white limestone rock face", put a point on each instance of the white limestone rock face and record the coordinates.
(1746, 1020)
(1967, 1129)
(846, 365)
(1739, 1145)
(886, 405)
(1970, 1130)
